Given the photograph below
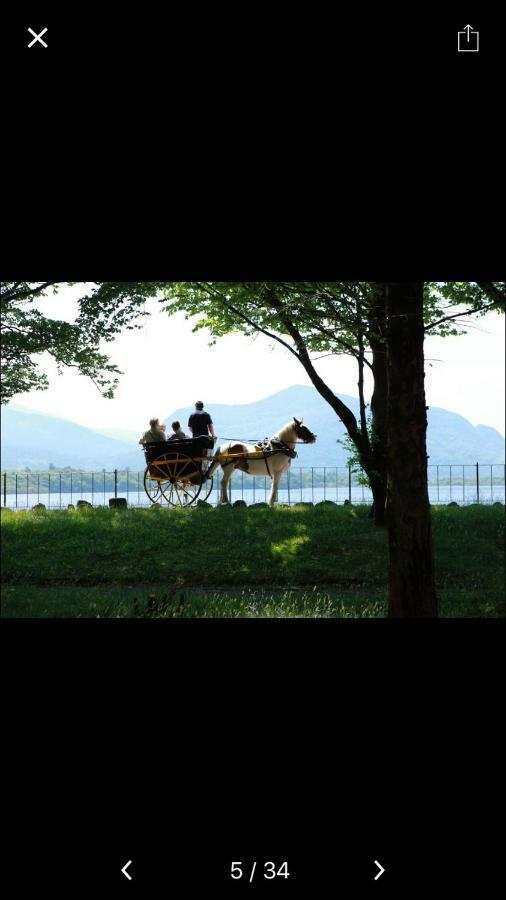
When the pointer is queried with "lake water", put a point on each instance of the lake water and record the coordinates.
(461, 494)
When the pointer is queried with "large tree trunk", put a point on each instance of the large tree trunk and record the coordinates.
(377, 338)
(411, 567)
(378, 485)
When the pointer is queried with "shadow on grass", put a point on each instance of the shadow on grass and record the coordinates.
(236, 562)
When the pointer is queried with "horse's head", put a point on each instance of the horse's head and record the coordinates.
(303, 433)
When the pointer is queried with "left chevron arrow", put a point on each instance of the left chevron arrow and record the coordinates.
(124, 870)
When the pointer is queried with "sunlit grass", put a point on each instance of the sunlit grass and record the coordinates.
(320, 562)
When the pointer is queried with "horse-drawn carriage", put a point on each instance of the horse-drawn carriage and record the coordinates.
(176, 471)
(180, 473)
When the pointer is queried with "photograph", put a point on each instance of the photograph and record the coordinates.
(252, 489)
(253, 449)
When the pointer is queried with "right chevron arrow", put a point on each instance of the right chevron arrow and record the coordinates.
(381, 870)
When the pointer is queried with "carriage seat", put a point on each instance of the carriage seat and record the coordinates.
(190, 446)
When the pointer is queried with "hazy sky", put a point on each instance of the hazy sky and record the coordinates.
(166, 366)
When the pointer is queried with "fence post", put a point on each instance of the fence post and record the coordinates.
(16, 491)
(115, 483)
(437, 482)
(5, 488)
(477, 482)
(349, 482)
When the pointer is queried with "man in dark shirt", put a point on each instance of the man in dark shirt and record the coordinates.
(200, 422)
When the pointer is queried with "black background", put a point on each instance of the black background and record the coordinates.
(201, 146)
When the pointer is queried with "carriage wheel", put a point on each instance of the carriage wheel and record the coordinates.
(182, 481)
(153, 488)
(180, 493)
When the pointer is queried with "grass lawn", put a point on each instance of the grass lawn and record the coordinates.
(323, 561)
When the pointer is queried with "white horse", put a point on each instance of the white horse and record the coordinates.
(272, 460)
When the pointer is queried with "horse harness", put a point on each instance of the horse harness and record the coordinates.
(266, 448)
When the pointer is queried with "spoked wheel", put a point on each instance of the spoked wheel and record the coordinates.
(181, 493)
(153, 488)
(180, 478)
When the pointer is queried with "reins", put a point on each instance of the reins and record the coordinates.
(221, 437)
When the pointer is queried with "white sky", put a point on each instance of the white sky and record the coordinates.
(166, 366)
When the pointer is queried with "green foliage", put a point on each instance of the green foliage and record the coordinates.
(448, 304)
(331, 317)
(27, 332)
(328, 317)
(325, 314)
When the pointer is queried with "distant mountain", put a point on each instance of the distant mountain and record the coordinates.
(450, 439)
(127, 435)
(35, 440)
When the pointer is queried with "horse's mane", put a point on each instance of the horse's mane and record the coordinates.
(284, 432)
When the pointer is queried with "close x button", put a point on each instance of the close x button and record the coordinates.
(37, 37)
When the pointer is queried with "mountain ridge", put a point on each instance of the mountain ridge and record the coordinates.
(451, 438)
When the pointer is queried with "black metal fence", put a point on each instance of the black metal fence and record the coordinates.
(462, 484)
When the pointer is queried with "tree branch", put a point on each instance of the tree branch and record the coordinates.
(360, 360)
(8, 295)
(459, 315)
(344, 413)
(226, 303)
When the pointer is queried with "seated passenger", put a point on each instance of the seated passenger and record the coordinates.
(178, 434)
(156, 432)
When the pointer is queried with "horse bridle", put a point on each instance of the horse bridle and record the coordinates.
(299, 431)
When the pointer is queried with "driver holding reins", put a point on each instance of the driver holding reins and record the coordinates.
(201, 424)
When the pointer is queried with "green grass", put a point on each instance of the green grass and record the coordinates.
(236, 562)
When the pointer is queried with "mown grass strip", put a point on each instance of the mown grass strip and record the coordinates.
(237, 562)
